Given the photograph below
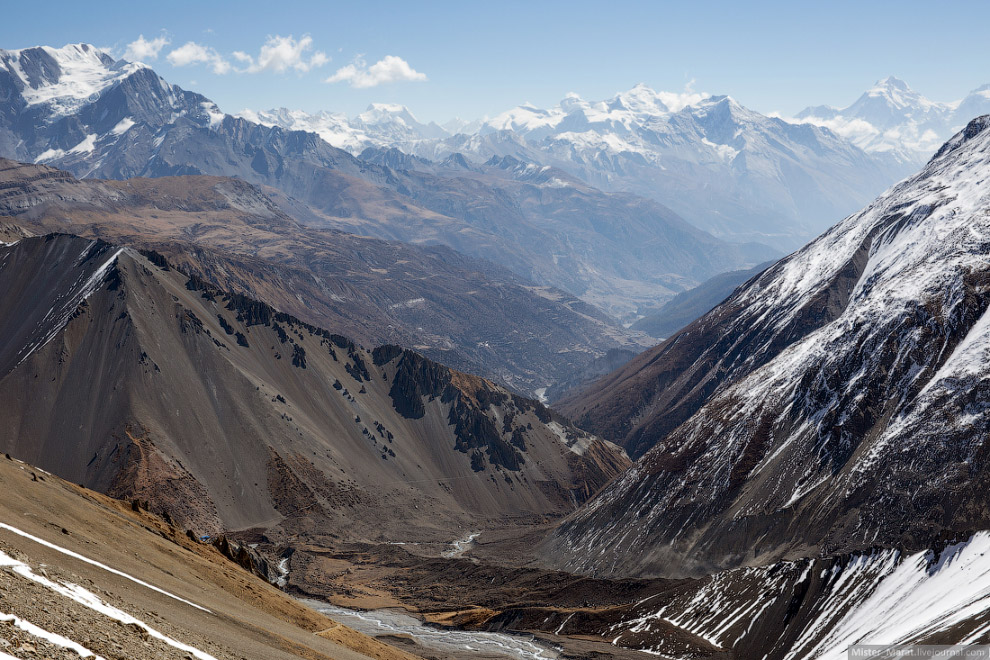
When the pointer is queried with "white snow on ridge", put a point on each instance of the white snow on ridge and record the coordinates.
(56, 319)
(928, 231)
(925, 243)
(92, 562)
(939, 234)
(913, 601)
(90, 600)
(84, 76)
(41, 633)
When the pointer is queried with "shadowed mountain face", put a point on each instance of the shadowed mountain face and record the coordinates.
(618, 252)
(119, 372)
(834, 403)
(469, 313)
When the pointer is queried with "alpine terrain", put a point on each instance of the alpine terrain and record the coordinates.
(78, 109)
(813, 449)
(232, 234)
(732, 171)
(809, 412)
(309, 432)
(347, 384)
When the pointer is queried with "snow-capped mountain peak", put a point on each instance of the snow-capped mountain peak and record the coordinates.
(892, 118)
(395, 123)
(64, 78)
(82, 103)
(890, 102)
(641, 99)
(378, 113)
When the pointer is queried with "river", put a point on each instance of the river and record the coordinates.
(461, 643)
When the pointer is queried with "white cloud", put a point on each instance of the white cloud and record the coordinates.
(677, 101)
(389, 69)
(852, 128)
(142, 49)
(193, 53)
(279, 54)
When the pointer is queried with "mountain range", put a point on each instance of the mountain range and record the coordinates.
(260, 355)
(729, 170)
(78, 109)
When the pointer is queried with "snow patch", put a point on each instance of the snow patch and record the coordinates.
(90, 600)
(460, 546)
(122, 126)
(408, 304)
(92, 562)
(41, 633)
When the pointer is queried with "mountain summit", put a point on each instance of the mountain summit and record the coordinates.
(891, 118)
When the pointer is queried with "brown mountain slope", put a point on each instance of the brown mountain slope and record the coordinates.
(135, 380)
(192, 594)
(469, 313)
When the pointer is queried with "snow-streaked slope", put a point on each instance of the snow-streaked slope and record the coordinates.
(91, 562)
(817, 608)
(64, 79)
(891, 118)
(55, 296)
(866, 426)
(90, 600)
(85, 109)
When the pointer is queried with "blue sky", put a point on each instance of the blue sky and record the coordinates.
(482, 58)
